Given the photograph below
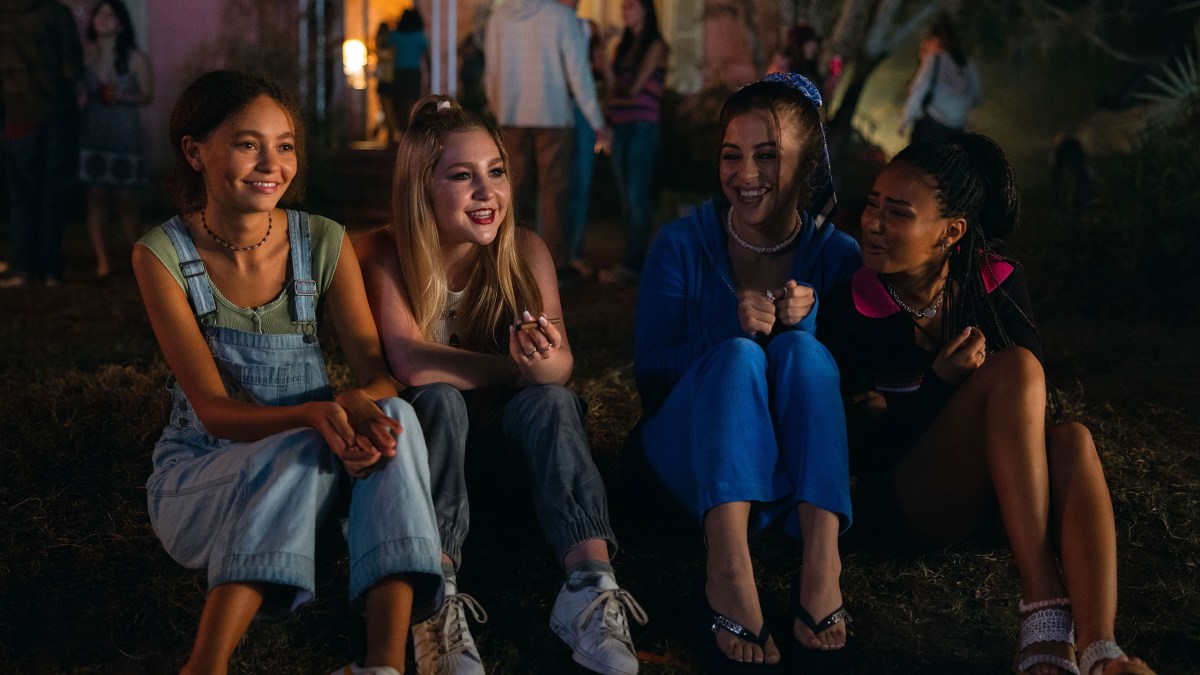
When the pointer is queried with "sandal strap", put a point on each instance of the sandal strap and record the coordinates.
(817, 627)
(722, 622)
(1027, 607)
(1048, 625)
(1100, 650)
(1064, 664)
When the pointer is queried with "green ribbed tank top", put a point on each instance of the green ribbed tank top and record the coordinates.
(275, 317)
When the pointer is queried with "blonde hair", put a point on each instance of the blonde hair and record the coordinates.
(500, 284)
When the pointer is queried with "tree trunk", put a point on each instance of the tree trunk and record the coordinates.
(839, 123)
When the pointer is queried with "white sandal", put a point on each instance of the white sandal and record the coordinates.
(1107, 650)
(1051, 624)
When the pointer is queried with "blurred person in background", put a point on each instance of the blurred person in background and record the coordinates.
(945, 88)
(41, 70)
(118, 79)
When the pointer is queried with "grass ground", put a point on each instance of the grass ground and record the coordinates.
(86, 588)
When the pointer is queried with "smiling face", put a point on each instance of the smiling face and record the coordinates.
(902, 230)
(249, 160)
(469, 189)
(759, 169)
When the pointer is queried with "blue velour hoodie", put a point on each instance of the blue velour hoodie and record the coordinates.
(687, 302)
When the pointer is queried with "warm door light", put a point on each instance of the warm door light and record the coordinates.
(354, 63)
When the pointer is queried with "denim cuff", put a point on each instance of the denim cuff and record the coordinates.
(562, 539)
(410, 555)
(278, 567)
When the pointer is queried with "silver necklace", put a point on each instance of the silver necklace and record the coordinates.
(928, 312)
(230, 246)
(760, 249)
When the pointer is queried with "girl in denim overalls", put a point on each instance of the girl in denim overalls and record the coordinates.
(446, 282)
(258, 448)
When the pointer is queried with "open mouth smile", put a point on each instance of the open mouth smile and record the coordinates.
(482, 216)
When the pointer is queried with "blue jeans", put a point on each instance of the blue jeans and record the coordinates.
(746, 424)
(40, 171)
(583, 160)
(250, 512)
(543, 426)
(635, 145)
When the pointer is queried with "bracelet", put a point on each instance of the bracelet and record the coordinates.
(1025, 608)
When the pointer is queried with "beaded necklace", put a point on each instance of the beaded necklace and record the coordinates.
(230, 246)
(760, 249)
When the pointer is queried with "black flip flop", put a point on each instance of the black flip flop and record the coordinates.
(817, 627)
(825, 661)
(709, 622)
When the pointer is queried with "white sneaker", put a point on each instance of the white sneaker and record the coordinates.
(355, 669)
(593, 623)
(443, 644)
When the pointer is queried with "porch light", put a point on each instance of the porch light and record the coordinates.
(354, 63)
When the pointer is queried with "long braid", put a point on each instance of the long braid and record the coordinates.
(975, 182)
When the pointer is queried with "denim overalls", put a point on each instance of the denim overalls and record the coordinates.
(250, 511)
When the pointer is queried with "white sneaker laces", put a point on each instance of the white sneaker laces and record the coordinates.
(613, 620)
(450, 628)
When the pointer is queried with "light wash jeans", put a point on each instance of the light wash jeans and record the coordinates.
(543, 426)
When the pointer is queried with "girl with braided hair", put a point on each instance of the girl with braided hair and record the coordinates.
(946, 399)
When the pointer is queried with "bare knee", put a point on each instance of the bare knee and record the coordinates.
(1013, 371)
(1071, 449)
(1015, 364)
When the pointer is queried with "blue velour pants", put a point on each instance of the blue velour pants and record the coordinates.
(748, 424)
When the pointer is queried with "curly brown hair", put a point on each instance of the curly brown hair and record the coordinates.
(207, 102)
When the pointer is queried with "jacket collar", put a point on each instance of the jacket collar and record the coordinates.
(709, 226)
(873, 301)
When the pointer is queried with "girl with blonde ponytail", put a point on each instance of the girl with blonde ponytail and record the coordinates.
(468, 310)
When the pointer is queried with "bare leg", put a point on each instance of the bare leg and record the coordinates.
(389, 611)
(226, 616)
(820, 587)
(97, 213)
(729, 584)
(591, 549)
(127, 214)
(946, 485)
(1083, 517)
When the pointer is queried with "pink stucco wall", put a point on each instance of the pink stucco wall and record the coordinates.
(177, 31)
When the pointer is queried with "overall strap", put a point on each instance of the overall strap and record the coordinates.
(304, 289)
(199, 292)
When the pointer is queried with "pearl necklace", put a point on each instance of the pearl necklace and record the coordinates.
(928, 312)
(760, 249)
(230, 246)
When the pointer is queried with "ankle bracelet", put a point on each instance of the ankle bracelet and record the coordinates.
(1025, 608)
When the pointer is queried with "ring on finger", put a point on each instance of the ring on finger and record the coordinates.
(530, 351)
(543, 349)
(770, 295)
